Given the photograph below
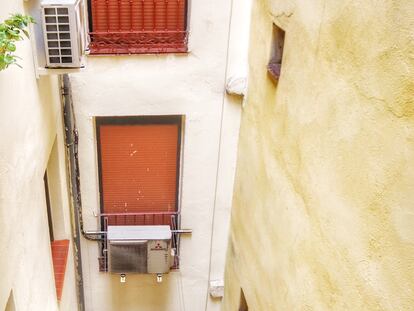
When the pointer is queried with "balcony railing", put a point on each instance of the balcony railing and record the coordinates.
(139, 219)
(138, 42)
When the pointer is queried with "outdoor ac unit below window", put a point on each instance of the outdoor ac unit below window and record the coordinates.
(64, 33)
(139, 249)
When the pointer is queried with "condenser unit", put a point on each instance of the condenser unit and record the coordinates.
(64, 32)
(139, 249)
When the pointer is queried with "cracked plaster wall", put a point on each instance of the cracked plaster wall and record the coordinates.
(323, 207)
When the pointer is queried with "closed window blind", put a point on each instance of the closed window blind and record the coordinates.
(139, 167)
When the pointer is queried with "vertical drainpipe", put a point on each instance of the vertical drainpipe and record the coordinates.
(71, 145)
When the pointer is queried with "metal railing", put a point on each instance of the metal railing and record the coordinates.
(138, 42)
(138, 219)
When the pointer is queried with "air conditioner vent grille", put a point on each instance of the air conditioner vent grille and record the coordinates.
(58, 35)
(128, 257)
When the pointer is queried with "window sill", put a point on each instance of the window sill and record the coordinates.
(119, 50)
(60, 250)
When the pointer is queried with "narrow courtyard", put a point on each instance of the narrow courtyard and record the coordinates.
(221, 155)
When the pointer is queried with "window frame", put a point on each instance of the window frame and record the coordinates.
(179, 120)
(139, 120)
(58, 237)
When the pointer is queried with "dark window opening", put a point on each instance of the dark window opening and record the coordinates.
(49, 211)
(275, 64)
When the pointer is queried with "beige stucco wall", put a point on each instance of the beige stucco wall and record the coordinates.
(323, 207)
(30, 120)
(192, 85)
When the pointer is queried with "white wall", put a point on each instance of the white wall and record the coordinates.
(236, 69)
(192, 85)
(29, 118)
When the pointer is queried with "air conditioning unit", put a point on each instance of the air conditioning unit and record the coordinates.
(64, 32)
(139, 249)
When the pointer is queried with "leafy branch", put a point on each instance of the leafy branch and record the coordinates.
(11, 30)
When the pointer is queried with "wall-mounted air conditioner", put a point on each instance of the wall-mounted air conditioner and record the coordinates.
(64, 32)
(139, 249)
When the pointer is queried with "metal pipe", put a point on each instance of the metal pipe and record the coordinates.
(71, 134)
(179, 231)
(182, 231)
(95, 232)
(67, 103)
(138, 214)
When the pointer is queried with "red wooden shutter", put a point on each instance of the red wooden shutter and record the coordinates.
(139, 167)
(138, 26)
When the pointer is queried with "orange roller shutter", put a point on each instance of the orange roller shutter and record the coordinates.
(160, 15)
(137, 15)
(113, 15)
(125, 15)
(149, 15)
(139, 167)
(99, 15)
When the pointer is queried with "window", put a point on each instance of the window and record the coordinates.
(53, 198)
(139, 160)
(138, 26)
(139, 168)
(275, 64)
(49, 211)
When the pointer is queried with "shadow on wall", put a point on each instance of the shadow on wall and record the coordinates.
(10, 303)
(128, 295)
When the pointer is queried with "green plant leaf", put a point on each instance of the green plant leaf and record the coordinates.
(11, 47)
(9, 59)
(11, 30)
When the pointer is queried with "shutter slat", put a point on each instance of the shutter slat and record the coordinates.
(160, 15)
(137, 17)
(125, 15)
(172, 20)
(99, 15)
